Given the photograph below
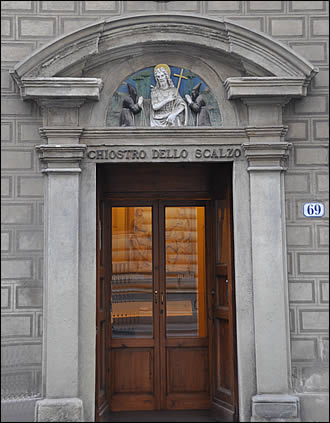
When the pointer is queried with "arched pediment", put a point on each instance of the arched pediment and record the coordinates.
(82, 50)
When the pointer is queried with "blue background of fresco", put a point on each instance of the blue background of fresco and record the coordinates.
(142, 81)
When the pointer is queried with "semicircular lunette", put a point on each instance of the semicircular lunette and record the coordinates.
(163, 96)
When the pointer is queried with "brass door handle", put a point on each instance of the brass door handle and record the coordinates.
(162, 298)
(156, 293)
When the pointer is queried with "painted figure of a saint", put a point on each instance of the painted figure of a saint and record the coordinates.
(168, 108)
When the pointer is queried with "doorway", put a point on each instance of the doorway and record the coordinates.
(165, 309)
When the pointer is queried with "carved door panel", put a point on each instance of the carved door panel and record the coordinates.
(223, 337)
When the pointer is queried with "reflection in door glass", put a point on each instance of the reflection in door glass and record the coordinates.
(131, 285)
(185, 271)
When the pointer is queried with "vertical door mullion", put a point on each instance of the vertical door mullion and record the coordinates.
(156, 303)
(162, 286)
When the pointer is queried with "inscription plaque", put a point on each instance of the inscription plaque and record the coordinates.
(156, 154)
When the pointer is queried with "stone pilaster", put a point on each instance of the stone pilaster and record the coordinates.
(61, 282)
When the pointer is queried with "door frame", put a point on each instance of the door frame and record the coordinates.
(208, 201)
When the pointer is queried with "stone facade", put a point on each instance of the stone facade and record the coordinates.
(28, 25)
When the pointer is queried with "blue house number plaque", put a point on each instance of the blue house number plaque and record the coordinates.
(314, 209)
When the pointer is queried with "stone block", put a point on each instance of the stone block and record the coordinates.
(311, 105)
(314, 407)
(11, 52)
(100, 6)
(287, 27)
(322, 236)
(313, 263)
(7, 27)
(17, 160)
(316, 378)
(184, 6)
(303, 349)
(321, 80)
(299, 236)
(15, 268)
(17, 5)
(27, 354)
(6, 132)
(292, 320)
(29, 240)
(36, 27)
(16, 325)
(301, 292)
(298, 130)
(40, 325)
(6, 81)
(311, 156)
(256, 24)
(297, 183)
(224, 6)
(320, 130)
(16, 384)
(59, 6)
(314, 320)
(324, 349)
(306, 6)
(6, 186)
(15, 107)
(17, 214)
(312, 51)
(5, 241)
(28, 297)
(59, 410)
(72, 24)
(30, 186)
(5, 297)
(265, 6)
(275, 408)
(324, 291)
(320, 27)
(135, 6)
(28, 132)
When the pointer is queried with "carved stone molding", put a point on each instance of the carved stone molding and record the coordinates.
(61, 158)
(267, 157)
(60, 88)
(61, 135)
(120, 37)
(265, 87)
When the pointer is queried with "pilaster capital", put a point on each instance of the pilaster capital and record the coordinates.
(58, 158)
(263, 156)
(268, 134)
(61, 135)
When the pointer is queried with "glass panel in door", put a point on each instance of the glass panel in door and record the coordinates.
(185, 276)
(131, 285)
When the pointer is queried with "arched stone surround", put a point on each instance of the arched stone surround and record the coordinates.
(252, 77)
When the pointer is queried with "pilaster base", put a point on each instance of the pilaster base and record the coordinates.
(59, 410)
(275, 408)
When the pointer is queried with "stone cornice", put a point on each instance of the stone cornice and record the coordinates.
(59, 158)
(55, 88)
(122, 36)
(265, 87)
(267, 156)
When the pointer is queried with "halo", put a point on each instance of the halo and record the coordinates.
(163, 66)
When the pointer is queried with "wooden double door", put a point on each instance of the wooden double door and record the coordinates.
(165, 324)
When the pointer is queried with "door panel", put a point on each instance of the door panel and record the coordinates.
(225, 393)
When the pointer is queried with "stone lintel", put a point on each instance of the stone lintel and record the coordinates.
(267, 156)
(265, 87)
(59, 410)
(65, 88)
(59, 158)
(275, 408)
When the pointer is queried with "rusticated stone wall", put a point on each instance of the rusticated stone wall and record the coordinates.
(26, 26)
